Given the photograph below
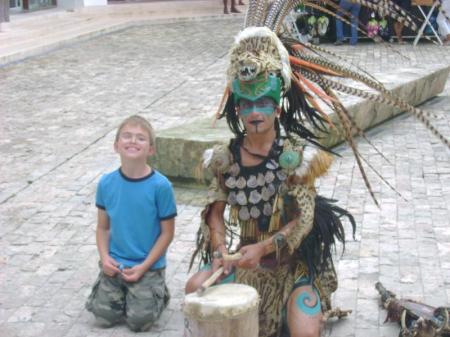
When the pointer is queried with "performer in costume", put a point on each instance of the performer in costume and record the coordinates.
(262, 201)
(268, 181)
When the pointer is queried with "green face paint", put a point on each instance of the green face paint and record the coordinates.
(266, 111)
(263, 105)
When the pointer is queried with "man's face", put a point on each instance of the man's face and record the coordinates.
(258, 116)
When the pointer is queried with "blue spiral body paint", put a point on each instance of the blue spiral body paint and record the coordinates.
(301, 303)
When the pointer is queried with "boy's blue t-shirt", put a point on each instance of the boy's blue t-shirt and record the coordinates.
(135, 208)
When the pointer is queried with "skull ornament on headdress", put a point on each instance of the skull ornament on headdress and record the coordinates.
(259, 66)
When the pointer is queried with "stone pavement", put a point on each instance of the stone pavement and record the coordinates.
(43, 31)
(59, 111)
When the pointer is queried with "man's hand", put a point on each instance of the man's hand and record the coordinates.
(110, 266)
(133, 274)
(218, 262)
(251, 255)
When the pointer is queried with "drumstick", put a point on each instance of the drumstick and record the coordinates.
(227, 257)
(210, 281)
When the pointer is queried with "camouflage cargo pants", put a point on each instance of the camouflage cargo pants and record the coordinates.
(139, 304)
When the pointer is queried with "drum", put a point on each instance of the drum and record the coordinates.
(227, 310)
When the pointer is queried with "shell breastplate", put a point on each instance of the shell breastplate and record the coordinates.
(253, 189)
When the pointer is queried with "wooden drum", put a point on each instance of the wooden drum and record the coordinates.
(227, 310)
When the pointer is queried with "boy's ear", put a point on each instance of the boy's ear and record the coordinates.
(151, 150)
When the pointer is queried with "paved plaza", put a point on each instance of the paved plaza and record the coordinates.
(58, 115)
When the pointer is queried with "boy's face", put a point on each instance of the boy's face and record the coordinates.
(133, 143)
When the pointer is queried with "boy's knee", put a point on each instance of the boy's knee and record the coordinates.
(106, 316)
(142, 313)
(142, 321)
(106, 303)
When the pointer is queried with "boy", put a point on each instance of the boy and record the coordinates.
(136, 212)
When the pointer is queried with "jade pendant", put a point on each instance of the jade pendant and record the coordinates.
(289, 159)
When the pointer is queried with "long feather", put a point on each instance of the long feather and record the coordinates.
(274, 11)
(418, 113)
(313, 102)
(349, 138)
(314, 89)
(251, 15)
(313, 66)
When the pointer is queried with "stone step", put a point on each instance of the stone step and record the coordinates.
(180, 149)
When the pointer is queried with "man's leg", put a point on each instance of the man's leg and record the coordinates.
(343, 6)
(355, 21)
(233, 8)
(225, 7)
(398, 29)
(304, 312)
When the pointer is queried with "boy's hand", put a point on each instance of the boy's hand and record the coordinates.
(133, 274)
(110, 266)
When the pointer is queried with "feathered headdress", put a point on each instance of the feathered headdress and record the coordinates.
(301, 77)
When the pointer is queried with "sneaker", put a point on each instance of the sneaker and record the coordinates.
(339, 43)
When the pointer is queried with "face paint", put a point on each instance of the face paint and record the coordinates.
(256, 123)
(264, 110)
(263, 105)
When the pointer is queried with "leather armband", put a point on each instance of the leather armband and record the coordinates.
(279, 242)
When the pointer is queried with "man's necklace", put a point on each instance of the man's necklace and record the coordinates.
(257, 155)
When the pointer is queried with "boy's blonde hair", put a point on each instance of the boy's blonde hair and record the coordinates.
(139, 121)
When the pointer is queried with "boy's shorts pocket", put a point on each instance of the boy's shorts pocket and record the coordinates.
(93, 293)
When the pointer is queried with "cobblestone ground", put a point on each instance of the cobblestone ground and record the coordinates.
(58, 115)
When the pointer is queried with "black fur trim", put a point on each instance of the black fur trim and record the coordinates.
(316, 249)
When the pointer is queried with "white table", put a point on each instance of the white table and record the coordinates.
(425, 23)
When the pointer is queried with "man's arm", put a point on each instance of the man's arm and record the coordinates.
(109, 265)
(216, 224)
(162, 243)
